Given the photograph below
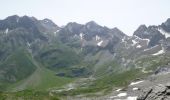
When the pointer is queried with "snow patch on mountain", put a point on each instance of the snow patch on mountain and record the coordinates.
(6, 31)
(55, 33)
(81, 36)
(118, 90)
(159, 52)
(139, 39)
(132, 98)
(97, 38)
(150, 48)
(164, 33)
(134, 42)
(134, 83)
(134, 89)
(122, 95)
(138, 46)
(123, 39)
(100, 43)
(136, 37)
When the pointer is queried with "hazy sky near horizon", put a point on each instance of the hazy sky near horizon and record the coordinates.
(127, 15)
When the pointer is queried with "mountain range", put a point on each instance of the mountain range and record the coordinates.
(77, 59)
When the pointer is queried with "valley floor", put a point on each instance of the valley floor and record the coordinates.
(132, 91)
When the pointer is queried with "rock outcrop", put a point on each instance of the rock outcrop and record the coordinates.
(158, 92)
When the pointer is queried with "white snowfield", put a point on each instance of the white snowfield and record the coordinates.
(81, 36)
(134, 89)
(6, 31)
(55, 33)
(138, 38)
(134, 83)
(132, 98)
(134, 42)
(100, 43)
(123, 39)
(159, 52)
(164, 33)
(97, 38)
(118, 90)
(119, 95)
(122, 95)
(128, 98)
(138, 46)
(150, 48)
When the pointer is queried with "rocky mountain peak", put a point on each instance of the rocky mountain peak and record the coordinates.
(152, 33)
(143, 26)
(73, 24)
(27, 22)
(12, 18)
(72, 27)
(92, 24)
(15, 21)
(48, 21)
(48, 26)
(166, 25)
(140, 31)
(118, 31)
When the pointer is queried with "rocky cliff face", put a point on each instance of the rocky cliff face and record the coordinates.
(90, 34)
(166, 25)
(152, 33)
(158, 92)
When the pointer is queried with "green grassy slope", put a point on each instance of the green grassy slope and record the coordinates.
(58, 56)
(107, 83)
(41, 79)
(27, 95)
(19, 65)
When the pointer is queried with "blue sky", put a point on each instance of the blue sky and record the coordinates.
(127, 15)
